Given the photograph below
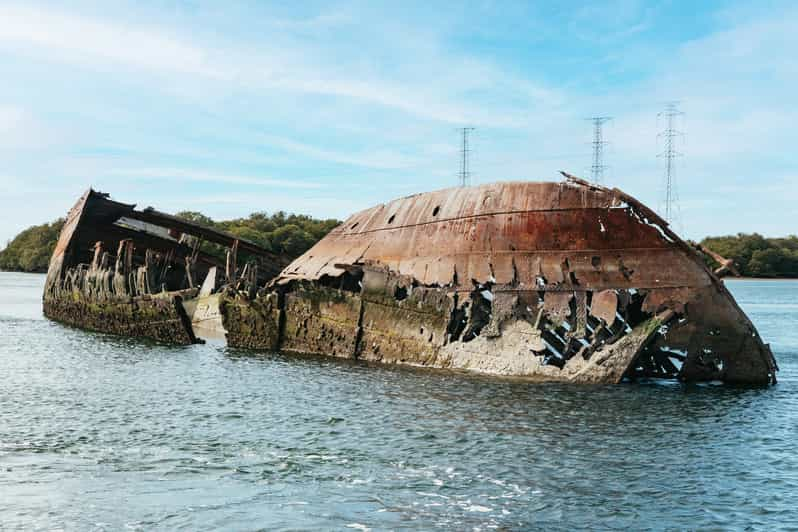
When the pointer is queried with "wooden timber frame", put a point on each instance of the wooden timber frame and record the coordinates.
(127, 271)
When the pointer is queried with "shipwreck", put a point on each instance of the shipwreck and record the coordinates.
(546, 281)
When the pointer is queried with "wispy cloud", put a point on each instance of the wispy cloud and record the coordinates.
(84, 39)
(21, 130)
(350, 103)
(188, 175)
(106, 44)
(380, 159)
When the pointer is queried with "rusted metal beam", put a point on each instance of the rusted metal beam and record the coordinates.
(210, 234)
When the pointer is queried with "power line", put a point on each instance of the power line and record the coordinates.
(670, 134)
(465, 172)
(598, 166)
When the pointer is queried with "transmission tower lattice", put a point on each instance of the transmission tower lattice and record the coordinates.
(670, 134)
(465, 172)
(598, 167)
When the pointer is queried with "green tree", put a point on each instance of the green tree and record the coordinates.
(757, 256)
(282, 233)
(292, 240)
(196, 217)
(30, 250)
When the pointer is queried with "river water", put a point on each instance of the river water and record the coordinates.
(100, 432)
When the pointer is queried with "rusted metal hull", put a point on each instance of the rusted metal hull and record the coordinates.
(546, 281)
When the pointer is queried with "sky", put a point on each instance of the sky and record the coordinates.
(327, 108)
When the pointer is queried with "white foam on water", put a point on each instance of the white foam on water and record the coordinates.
(425, 494)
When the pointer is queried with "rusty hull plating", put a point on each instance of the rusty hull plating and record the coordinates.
(546, 281)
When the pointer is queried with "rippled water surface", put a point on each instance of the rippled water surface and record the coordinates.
(100, 432)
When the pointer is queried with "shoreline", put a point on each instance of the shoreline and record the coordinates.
(724, 279)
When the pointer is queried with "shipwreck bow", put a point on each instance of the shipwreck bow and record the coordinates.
(548, 281)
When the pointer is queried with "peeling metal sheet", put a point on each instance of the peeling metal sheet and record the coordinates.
(557, 306)
(673, 298)
(604, 306)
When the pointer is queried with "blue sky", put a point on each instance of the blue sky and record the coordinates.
(327, 108)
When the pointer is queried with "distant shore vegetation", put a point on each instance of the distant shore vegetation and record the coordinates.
(292, 234)
(30, 250)
(282, 233)
(757, 256)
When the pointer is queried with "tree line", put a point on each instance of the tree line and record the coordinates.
(757, 256)
(293, 234)
(30, 250)
(282, 233)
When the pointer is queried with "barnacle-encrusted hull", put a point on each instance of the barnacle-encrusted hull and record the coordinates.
(547, 281)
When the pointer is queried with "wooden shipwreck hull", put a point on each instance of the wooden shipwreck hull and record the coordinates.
(545, 281)
(133, 272)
